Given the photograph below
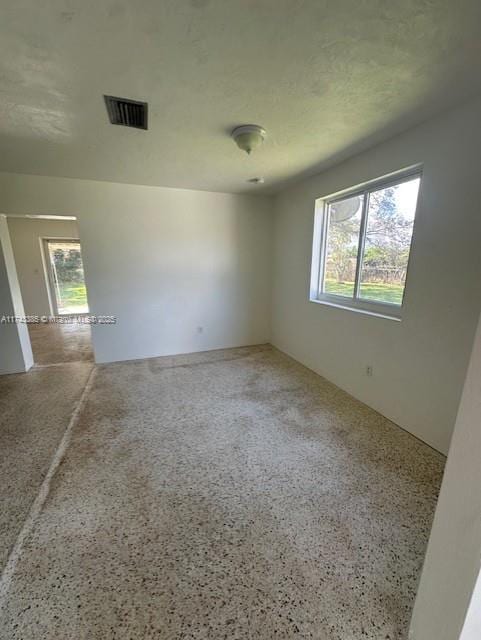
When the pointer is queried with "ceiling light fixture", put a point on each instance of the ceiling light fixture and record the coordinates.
(248, 136)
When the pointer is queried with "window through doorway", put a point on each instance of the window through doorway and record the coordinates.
(66, 276)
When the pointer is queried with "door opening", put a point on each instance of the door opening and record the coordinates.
(65, 270)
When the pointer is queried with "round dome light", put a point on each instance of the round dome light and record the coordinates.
(248, 136)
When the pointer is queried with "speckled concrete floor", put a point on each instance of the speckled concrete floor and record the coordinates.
(225, 495)
(55, 343)
(35, 409)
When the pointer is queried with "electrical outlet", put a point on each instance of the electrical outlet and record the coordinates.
(369, 370)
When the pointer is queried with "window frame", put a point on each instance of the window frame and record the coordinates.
(317, 294)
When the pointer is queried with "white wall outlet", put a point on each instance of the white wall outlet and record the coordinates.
(369, 370)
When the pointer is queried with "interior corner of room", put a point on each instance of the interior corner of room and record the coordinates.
(247, 356)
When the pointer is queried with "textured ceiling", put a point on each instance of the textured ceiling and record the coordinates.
(324, 77)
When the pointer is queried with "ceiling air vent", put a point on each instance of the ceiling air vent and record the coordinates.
(128, 113)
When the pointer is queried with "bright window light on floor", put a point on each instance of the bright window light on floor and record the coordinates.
(362, 242)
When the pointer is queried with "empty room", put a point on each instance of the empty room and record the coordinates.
(240, 336)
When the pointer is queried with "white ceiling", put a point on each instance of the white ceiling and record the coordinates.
(324, 77)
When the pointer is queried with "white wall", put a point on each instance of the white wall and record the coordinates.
(418, 364)
(453, 559)
(26, 234)
(472, 624)
(15, 350)
(164, 261)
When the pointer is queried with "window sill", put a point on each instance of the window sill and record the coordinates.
(368, 312)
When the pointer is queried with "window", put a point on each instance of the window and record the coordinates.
(362, 241)
(66, 276)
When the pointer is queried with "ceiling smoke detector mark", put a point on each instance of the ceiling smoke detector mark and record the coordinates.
(259, 180)
(128, 113)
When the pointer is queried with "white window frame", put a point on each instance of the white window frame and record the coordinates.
(317, 294)
(48, 272)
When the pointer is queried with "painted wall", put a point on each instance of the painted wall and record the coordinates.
(15, 350)
(472, 624)
(26, 234)
(418, 364)
(447, 590)
(181, 270)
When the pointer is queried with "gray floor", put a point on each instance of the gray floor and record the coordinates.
(35, 409)
(233, 494)
(54, 343)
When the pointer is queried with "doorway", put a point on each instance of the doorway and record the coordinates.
(49, 265)
(68, 294)
(67, 339)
